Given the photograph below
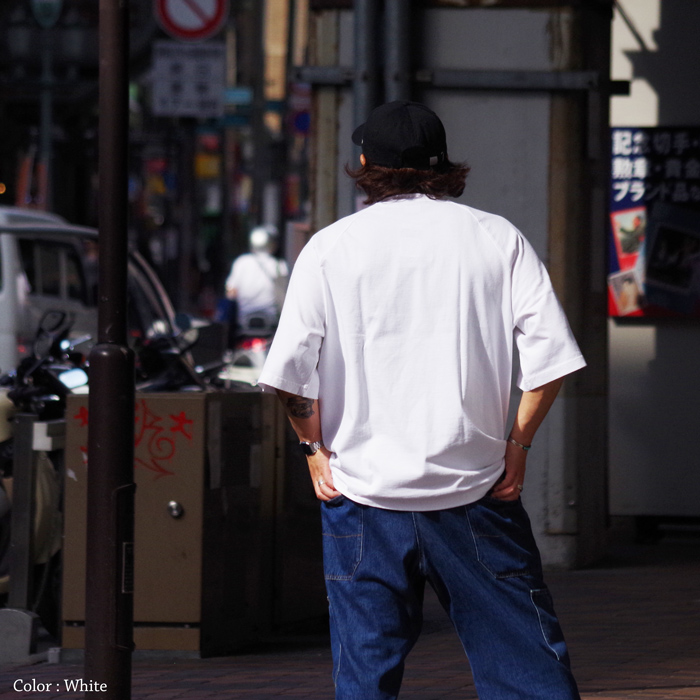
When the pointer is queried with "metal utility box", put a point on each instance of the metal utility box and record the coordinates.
(207, 467)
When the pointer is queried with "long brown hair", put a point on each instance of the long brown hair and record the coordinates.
(380, 183)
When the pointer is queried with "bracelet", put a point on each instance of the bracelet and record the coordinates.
(517, 444)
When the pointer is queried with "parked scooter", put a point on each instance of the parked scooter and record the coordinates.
(44, 379)
(39, 386)
(255, 333)
(164, 361)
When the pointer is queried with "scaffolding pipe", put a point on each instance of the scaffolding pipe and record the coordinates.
(365, 77)
(397, 71)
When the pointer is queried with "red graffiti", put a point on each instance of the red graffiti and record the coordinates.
(153, 466)
(181, 420)
(161, 448)
(151, 436)
(82, 416)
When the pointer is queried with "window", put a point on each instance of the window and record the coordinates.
(49, 270)
(26, 251)
(74, 285)
(53, 269)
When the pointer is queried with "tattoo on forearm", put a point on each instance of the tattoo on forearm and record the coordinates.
(299, 407)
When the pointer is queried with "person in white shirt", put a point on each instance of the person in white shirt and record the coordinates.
(393, 358)
(257, 282)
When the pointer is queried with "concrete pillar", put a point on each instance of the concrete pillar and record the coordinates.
(574, 527)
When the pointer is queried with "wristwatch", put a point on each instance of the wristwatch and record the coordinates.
(310, 448)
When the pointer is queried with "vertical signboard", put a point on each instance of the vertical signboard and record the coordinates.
(654, 253)
(189, 79)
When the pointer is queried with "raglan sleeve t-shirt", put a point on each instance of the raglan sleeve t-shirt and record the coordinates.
(402, 320)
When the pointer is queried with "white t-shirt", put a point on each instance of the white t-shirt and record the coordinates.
(253, 276)
(401, 319)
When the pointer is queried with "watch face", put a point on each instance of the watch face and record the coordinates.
(307, 448)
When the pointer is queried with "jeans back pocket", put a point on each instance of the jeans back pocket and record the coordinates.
(503, 538)
(342, 522)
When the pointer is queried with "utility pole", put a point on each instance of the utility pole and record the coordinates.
(110, 536)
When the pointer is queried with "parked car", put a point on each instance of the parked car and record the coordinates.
(49, 264)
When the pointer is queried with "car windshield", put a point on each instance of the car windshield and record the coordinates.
(65, 271)
(53, 269)
(142, 314)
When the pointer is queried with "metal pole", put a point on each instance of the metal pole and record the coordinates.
(22, 525)
(45, 155)
(365, 80)
(109, 582)
(260, 140)
(397, 25)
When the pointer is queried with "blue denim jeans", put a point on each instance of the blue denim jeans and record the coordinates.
(484, 565)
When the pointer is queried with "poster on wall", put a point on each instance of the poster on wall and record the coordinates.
(654, 228)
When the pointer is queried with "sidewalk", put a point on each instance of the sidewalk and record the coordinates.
(632, 624)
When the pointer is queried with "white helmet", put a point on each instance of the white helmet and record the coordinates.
(263, 239)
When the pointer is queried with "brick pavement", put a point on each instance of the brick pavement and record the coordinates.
(632, 624)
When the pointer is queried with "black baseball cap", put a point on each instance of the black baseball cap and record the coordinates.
(402, 134)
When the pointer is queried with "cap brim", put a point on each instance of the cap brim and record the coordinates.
(358, 134)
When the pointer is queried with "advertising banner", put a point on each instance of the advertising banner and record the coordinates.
(654, 232)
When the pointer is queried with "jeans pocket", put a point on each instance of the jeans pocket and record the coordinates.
(342, 522)
(503, 538)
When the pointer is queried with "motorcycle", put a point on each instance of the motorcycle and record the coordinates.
(255, 333)
(39, 386)
(164, 361)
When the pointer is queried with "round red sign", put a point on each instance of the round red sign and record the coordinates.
(191, 19)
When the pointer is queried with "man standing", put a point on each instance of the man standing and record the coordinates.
(393, 358)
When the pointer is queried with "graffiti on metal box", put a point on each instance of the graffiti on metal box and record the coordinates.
(156, 437)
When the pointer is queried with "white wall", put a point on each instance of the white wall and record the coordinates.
(640, 108)
(503, 137)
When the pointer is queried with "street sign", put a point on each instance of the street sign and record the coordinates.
(189, 80)
(191, 20)
(47, 12)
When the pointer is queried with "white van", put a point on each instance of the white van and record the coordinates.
(46, 263)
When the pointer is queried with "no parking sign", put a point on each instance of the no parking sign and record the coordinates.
(191, 20)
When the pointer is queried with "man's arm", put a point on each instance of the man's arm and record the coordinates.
(534, 406)
(305, 418)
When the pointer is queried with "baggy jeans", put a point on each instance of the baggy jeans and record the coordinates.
(485, 567)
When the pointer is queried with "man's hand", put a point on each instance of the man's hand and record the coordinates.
(305, 418)
(320, 470)
(534, 406)
(510, 486)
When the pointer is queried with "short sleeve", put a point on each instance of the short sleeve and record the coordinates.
(291, 364)
(545, 343)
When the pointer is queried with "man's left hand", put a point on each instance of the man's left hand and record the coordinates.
(509, 488)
